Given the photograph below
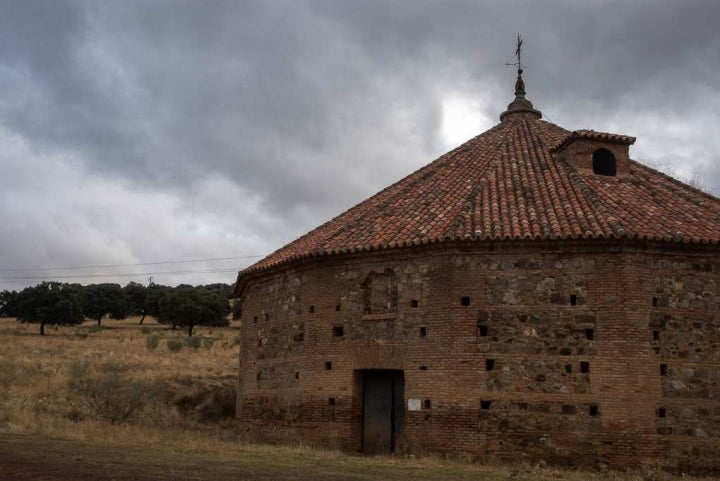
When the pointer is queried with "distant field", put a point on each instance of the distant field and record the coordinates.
(138, 402)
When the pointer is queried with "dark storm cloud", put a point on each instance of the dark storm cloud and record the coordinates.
(257, 120)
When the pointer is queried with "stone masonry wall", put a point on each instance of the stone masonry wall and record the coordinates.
(591, 356)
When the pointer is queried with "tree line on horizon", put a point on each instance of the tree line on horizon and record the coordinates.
(58, 303)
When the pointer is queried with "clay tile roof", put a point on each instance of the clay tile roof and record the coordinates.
(594, 135)
(505, 184)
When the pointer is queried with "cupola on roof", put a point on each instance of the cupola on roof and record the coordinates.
(509, 183)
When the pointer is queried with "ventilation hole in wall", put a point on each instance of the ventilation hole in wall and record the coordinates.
(482, 331)
(663, 369)
(427, 404)
(661, 413)
(584, 367)
(255, 320)
(568, 368)
(594, 411)
(337, 307)
(338, 331)
(423, 331)
(655, 301)
(590, 334)
(328, 365)
(489, 364)
(414, 303)
(465, 301)
(267, 317)
(423, 368)
(297, 374)
(312, 309)
(656, 335)
(485, 405)
(569, 409)
(331, 401)
(573, 300)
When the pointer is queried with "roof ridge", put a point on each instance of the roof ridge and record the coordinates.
(467, 212)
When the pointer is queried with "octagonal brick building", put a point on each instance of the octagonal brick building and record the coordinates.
(532, 294)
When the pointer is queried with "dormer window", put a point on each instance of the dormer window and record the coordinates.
(596, 153)
(603, 162)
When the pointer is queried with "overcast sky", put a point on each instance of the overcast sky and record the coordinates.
(138, 132)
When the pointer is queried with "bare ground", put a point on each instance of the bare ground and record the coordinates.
(30, 457)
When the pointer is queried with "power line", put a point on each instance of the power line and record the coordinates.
(26, 269)
(121, 274)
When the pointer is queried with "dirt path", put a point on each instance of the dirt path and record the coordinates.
(26, 457)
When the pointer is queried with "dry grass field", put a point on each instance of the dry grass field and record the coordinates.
(125, 401)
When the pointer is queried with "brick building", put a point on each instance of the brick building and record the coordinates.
(532, 294)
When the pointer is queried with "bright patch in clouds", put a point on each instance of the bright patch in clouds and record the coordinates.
(462, 119)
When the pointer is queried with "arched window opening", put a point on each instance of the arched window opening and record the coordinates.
(604, 162)
(380, 293)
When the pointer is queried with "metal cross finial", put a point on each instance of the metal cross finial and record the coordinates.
(518, 52)
(519, 84)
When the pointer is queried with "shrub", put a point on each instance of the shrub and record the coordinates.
(193, 342)
(152, 342)
(174, 345)
(208, 342)
(110, 397)
(145, 330)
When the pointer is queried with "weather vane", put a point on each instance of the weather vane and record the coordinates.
(518, 52)
(519, 83)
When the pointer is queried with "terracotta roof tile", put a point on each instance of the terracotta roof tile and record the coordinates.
(505, 184)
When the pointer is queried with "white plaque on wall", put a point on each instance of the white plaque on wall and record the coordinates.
(413, 404)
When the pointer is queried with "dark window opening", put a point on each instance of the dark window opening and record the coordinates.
(482, 331)
(568, 368)
(259, 342)
(489, 364)
(573, 300)
(267, 317)
(312, 309)
(414, 303)
(656, 335)
(331, 401)
(655, 301)
(584, 367)
(661, 413)
(485, 405)
(423, 368)
(427, 404)
(259, 376)
(663, 369)
(594, 410)
(604, 162)
(299, 337)
(590, 334)
(423, 331)
(297, 374)
(328, 365)
(338, 331)
(255, 319)
(337, 307)
(465, 301)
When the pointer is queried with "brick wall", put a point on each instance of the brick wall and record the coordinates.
(596, 354)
